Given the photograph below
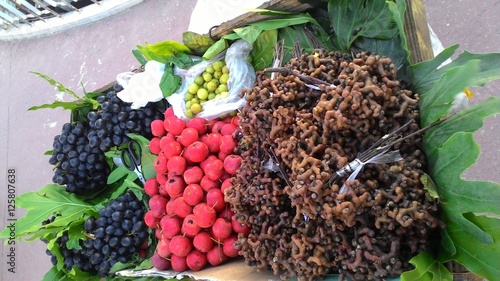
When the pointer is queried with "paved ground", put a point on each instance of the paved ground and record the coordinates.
(93, 54)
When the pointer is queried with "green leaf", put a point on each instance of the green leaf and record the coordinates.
(479, 258)
(263, 49)
(180, 60)
(398, 9)
(460, 197)
(167, 48)
(139, 56)
(251, 32)
(55, 274)
(217, 48)
(79, 275)
(426, 269)
(197, 43)
(75, 234)
(169, 82)
(71, 105)
(352, 19)
(60, 87)
(117, 174)
(425, 74)
(468, 120)
(437, 102)
(49, 200)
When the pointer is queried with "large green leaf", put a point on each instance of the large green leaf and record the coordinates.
(263, 49)
(425, 74)
(479, 258)
(458, 196)
(437, 102)
(41, 204)
(352, 19)
(427, 268)
(467, 120)
(251, 32)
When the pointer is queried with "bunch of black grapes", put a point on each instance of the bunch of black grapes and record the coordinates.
(78, 154)
(111, 123)
(115, 236)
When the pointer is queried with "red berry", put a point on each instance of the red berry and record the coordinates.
(193, 174)
(215, 199)
(178, 263)
(161, 178)
(225, 185)
(157, 128)
(154, 146)
(181, 208)
(204, 215)
(175, 186)
(227, 144)
(189, 228)
(214, 169)
(160, 164)
(232, 163)
(193, 194)
(163, 248)
(151, 187)
(213, 142)
(174, 125)
(216, 128)
(150, 220)
(199, 124)
(159, 262)
(229, 247)
(228, 129)
(196, 152)
(221, 229)
(196, 260)
(168, 112)
(157, 205)
(180, 246)
(216, 256)
(239, 227)
(207, 184)
(171, 226)
(203, 241)
(176, 165)
(171, 148)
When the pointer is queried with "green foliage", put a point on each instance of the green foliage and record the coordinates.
(50, 200)
(427, 73)
(480, 258)
(451, 149)
(79, 107)
(263, 49)
(251, 32)
(427, 268)
(197, 43)
(161, 51)
(352, 19)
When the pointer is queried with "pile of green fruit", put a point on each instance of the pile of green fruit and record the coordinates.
(210, 84)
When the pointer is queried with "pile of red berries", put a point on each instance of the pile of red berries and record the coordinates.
(195, 162)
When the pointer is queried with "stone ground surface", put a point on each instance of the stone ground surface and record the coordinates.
(95, 53)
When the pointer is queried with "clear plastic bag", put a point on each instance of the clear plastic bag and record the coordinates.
(241, 76)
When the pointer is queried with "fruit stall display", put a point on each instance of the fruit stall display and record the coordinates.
(300, 145)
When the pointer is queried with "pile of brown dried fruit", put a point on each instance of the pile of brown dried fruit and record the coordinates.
(297, 130)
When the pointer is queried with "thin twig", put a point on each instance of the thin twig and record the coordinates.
(288, 71)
